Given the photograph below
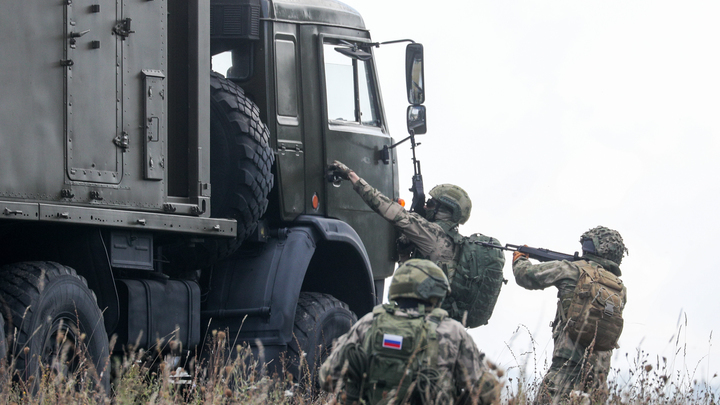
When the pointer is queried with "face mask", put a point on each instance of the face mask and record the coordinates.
(430, 214)
(438, 214)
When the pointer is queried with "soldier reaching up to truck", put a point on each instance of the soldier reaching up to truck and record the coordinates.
(475, 283)
(588, 321)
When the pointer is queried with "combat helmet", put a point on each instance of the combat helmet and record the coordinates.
(420, 279)
(454, 198)
(607, 243)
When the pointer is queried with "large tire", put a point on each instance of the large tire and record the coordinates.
(319, 320)
(240, 157)
(46, 300)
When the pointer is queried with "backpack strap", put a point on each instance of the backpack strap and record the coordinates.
(561, 310)
(562, 307)
(448, 266)
(438, 314)
(377, 312)
(433, 341)
(383, 309)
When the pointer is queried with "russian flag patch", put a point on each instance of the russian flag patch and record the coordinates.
(392, 341)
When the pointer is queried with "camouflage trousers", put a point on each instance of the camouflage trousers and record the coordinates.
(585, 378)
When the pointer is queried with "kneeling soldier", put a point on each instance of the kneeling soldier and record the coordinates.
(410, 351)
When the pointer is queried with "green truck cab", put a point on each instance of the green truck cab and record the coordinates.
(171, 201)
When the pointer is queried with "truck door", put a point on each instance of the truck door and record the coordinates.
(355, 133)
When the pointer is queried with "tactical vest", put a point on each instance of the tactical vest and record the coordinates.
(475, 277)
(398, 348)
(594, 309)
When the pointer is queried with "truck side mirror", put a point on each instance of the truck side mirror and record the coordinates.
(416, 119)
(414, 74)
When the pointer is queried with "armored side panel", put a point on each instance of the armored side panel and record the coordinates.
(84, 112)
(32, 127)
(84, 108)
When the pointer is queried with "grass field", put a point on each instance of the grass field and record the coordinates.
(140, 377)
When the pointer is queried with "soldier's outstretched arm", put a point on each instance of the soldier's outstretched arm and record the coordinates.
(416, 228)
(542, 275)
(421, 232)
(376, 200)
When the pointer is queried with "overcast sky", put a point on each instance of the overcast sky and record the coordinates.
(558, 116)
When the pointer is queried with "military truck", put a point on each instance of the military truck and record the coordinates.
(145, 197)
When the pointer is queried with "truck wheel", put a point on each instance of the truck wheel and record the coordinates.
(240, 157)
(53, 314)
(319, 320)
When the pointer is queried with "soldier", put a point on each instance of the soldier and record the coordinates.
(409, 351)
(574, 367)
(448, 207)
(434, 237)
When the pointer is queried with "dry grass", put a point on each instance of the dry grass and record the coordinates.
(637, 378)
(226, 373)
(221, 374)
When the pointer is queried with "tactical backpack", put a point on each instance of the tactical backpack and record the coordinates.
(595, 309)
(475, 279)
(398, 350)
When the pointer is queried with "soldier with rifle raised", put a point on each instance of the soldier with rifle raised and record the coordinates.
(588, 321)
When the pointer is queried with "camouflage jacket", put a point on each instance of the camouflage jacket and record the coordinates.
(562, 274)
(458, 357)
(430, 239)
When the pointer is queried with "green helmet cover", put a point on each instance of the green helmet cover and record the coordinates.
(608, 243)
(454, 198)
(420, 279)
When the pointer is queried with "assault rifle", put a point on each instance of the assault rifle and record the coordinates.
(540, 254)
(418, 190)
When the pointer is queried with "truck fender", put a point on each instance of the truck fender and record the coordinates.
(254, 294)
(340, 265)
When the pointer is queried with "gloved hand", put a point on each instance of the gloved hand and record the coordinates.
(517, 255)
(341, 170)
(404, 248)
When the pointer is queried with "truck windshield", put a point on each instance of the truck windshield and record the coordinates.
(351, 93)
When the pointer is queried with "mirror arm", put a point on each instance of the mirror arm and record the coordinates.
(377, 44)
(396, 41)
(398, 143)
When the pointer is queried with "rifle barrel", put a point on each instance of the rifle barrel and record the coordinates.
(540, 254)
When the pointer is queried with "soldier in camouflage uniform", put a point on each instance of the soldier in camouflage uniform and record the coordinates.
(460, 374)
(426, 234)
(426, 237)
(574, 368)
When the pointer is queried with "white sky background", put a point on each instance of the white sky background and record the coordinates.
(560, 116)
